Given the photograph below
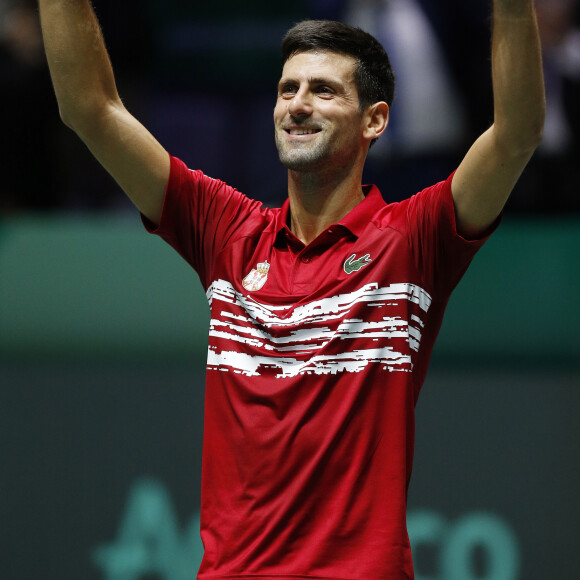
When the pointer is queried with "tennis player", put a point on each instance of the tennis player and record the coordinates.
(324, 312)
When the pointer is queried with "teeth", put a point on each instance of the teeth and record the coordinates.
(302, 131)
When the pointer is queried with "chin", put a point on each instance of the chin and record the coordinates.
(300, 164)
(302, 160)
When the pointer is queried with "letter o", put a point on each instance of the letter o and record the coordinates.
(491, 533)
(425, 527)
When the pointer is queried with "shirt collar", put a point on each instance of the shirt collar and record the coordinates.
(358, 218)
(355, 221)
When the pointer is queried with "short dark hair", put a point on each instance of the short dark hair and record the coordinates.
(374, 77)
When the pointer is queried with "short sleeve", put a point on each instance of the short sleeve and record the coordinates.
(201, 216)
(442, 254)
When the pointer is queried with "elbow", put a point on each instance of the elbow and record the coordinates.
(523, 141)
(522, 134)
(539, 132)
(531, 142)
(66, 118)
(84, 118)
(536, 132)
(71, 115)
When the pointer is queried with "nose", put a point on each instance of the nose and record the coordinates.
(300, 105)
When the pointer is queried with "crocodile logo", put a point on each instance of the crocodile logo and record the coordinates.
(354, 264)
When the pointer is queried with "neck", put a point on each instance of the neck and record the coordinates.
(318, 200)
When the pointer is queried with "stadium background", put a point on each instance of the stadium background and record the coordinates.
(103, 328)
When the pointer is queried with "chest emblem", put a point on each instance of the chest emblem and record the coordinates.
(354, 264)
(257, 277)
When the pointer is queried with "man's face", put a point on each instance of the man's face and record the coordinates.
(317, 117)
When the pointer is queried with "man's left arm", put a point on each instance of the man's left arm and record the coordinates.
(489, 171)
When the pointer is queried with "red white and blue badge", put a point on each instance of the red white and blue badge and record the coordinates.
(257, 277)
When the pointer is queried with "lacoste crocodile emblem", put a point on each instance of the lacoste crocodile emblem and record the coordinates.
(354, 264)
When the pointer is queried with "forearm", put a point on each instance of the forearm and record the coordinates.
(518, 86)
(78, 61)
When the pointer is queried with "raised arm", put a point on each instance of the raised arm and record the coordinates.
(90, 105)
(489, 171)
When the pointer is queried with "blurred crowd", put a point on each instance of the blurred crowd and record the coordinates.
(203, 80)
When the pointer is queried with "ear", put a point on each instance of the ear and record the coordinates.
(376, 119)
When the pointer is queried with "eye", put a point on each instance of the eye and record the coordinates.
(324, 91)
(288, 90)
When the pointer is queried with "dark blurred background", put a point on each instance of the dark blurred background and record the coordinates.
(103, 329)
(203, 78)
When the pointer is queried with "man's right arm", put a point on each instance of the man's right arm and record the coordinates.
(90, 105)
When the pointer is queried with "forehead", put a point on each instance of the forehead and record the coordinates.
(320, 64)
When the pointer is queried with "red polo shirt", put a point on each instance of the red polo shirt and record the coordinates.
(316, 358)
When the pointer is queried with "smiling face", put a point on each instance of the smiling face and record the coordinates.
(317, 118)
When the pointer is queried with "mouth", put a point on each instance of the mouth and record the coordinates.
(301, 131)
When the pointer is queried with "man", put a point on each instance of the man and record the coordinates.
(324, 312)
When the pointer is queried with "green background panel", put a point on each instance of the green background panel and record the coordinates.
(102, 287)
(103, 333)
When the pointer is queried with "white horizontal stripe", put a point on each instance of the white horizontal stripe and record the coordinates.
(353, 362)
(326, 309)
(298, 331)
(417, 320)
(294, 336)
(315, 337)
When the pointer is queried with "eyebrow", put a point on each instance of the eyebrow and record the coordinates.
(313, 81)
(324, 81)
